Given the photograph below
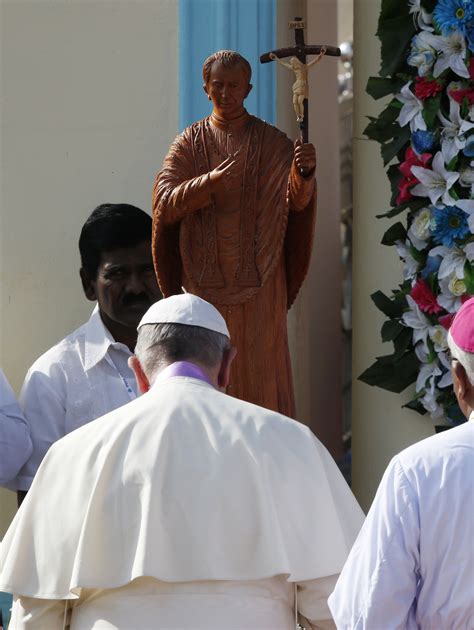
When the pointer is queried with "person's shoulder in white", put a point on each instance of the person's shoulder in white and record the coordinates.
(412, 565)
(56, 359)
(15, 440)
(413, 561)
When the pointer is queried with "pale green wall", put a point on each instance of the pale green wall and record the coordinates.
(90, 99)
(380, 428)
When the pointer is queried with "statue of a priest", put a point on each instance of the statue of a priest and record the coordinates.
(234, 209)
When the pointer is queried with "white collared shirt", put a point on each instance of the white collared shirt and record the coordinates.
(83, 377)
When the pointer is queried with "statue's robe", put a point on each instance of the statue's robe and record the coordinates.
(247, 252)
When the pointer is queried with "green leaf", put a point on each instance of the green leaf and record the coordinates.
(396, 232)
(416, 203)
(378, 87)
(418, 255)
(432, 354)
(390, 374)
(395, 177)
(469, 277)
(395, 33)
(390, 9)
(429, 5)
(381, 130)
(391, 329)
(391, 149)
(415, 405)
(455, 414)
(413, 205)
(431, 109)
(389, 307)
(451, 165)
(385, 126)
(391, 213)
(402, 342)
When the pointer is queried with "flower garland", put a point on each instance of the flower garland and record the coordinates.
(426, 134)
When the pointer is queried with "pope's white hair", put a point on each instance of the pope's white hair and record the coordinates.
(161, 344)
(466, 359)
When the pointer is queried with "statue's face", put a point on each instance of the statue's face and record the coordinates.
(227, 89)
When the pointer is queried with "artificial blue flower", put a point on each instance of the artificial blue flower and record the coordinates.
(432, 265)
(453, 15)
(422, 141)
(448, 224)
(469, 148)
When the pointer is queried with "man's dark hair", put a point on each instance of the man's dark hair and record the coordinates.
(112, 226)
(229, 59)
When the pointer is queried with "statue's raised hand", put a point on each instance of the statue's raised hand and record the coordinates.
(228, 174)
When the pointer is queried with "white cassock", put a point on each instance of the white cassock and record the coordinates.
(186, 508)
(412, 565)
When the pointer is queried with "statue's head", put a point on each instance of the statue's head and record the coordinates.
(226, 77)
(227, 59)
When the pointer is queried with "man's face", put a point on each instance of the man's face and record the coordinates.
(125, 285)
(228, 88)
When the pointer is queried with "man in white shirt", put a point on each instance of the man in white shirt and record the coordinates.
(15, 441)
(86, 375)
(412, 565)
(186, 508)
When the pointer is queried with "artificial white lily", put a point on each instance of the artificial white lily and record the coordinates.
(422, 54)
(430, 404)
(422, 17)
(469, 251)
(415, 319)
(452, 263)
(427, 372)
(451, 54)
(470, 223)
(435, 183)
(447, 378)
(451, 291)
(410, 266)
(453, 137)
(466, 178)
(412, 110)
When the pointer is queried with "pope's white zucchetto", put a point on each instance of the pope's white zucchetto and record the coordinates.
(187, 309)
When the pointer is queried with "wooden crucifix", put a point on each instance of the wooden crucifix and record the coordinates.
(298, 64)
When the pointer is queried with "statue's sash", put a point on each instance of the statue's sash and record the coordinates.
(210, 274)
(247, 275)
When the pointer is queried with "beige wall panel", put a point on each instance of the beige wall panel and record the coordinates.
(89, 107)
(314, 320)
(380, 428)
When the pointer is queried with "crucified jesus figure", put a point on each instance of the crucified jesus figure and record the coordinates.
(300, 86)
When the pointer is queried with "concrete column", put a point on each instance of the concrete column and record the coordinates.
(380, 427)
(314, 320)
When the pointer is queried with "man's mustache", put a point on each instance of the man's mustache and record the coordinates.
(135, 298)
